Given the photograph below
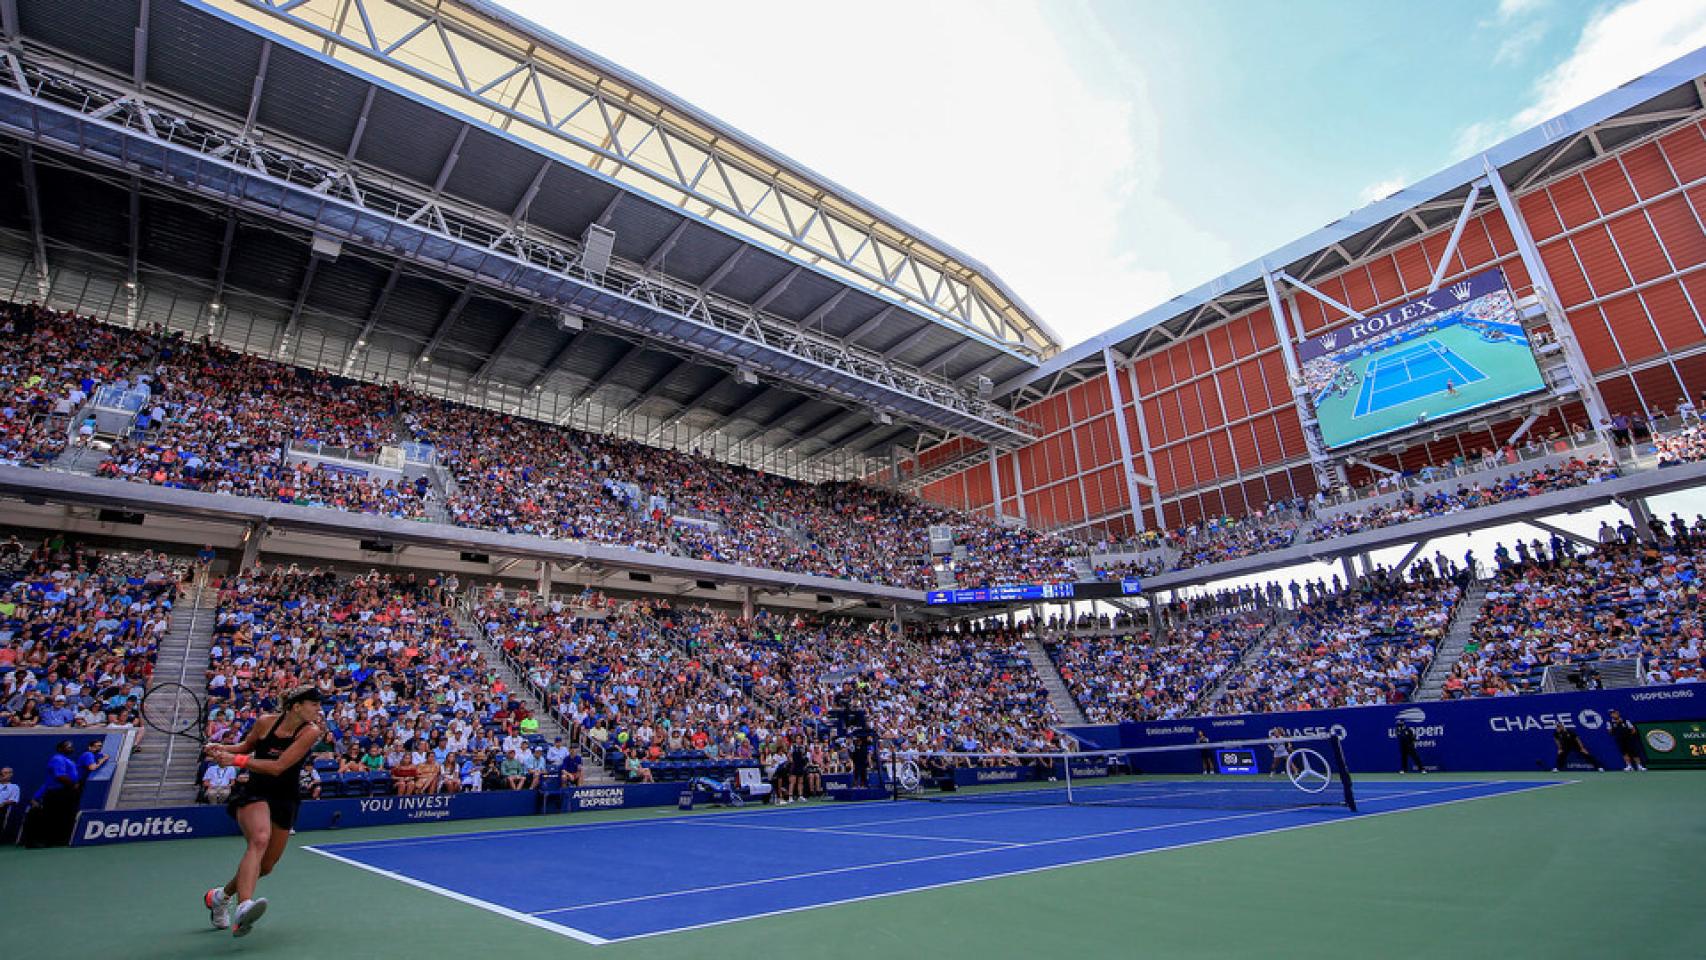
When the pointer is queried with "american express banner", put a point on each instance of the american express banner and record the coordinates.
(1448, 297)
(1496, 733)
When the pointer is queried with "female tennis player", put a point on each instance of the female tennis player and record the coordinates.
(264, 801)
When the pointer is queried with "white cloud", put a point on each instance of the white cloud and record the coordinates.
(965, 118)
(1518, 41)
(1380, 190)
(1511, 9)
(1617, 45)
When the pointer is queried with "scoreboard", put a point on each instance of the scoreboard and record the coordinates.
(1674, 745)
(1039, 592)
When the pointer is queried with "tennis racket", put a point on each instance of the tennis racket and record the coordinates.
(175, 709)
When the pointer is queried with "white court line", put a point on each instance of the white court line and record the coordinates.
(501, 911)
(1076, 863)
(1056, 841)
(569, 828)
(843, 832)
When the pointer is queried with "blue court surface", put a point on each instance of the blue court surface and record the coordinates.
(1420, 371)
(618, 880)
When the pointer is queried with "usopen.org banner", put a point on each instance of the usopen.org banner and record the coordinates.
(1493, 733)
(1445, 298)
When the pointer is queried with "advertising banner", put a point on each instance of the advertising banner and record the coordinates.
(1456, 349)
(1493, 733)
(211, 820)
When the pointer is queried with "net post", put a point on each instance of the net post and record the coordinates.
(1066, 765)
(1344, 772)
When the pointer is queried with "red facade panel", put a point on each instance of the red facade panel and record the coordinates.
(1359, 290)
(1231, 393)
(1262, 327)
(1382, 275)
(1627, 319)
(1619, 395)
(1244, 445)
(1243, 341)
(1589, 326)
(1220, 447)
(1572, 287)
(1610, 188)
(1191, 400)
(1537, 212)
(1659, 388)
(1573, 201)
(1212, 416)
(1678, 325)
(1605, 272)
(1679, 230)
(1686, 151)
(1640, 247)
(1648, 170)
(1475, 247)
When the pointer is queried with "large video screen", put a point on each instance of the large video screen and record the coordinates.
(1456, 349)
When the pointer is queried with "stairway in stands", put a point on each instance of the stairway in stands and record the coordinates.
(1053, 682)
(161, 772)
(592, 772)
(1283, 616)
(1450, 649)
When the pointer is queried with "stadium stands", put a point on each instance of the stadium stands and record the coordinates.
(406, 689)
(1360, 646)
(1623, 601)
(1129, 676)
(79, 632)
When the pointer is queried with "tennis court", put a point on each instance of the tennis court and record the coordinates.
(672, 874)
(1427, 368)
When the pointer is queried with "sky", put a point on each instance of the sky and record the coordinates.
(1102, 157)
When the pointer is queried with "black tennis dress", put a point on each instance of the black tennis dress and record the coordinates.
(279, 791)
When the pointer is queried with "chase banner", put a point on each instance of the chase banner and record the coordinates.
(1491, 733)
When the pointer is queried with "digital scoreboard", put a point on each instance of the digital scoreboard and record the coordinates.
(1674, 745)
(1039, 592)
(1236, 760)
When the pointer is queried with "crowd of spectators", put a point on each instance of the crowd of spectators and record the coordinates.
(409, 698)
(1576, 472)
(641, 682)
(1552, 605)
(1365, 645)
(79, 632)
(53, 362)
(1130, 676)
(223, 422)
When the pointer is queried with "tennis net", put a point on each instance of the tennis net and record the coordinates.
(1295, 772)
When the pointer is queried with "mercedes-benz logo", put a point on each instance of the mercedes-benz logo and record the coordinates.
(1308, 770)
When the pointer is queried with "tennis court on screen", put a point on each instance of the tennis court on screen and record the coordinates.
(620, 880)
(1420, 371)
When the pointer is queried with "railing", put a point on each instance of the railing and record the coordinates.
(466, 604)
(127, 399)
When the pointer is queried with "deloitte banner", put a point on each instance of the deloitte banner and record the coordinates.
(207, 820)
(1497, 733)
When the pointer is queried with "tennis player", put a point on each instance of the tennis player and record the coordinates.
(264, 801)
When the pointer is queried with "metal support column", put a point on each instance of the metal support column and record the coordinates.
(1294, 376)
(995, 482)
(1352, 581)
(1019, 489)
(252, 538)
(544, 579)
(748, 606)
(1114, 392)
(1148, 457)
(1598, 417)
(1640, 516)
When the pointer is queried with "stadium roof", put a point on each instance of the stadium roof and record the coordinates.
(749, 306)
(1637, 109)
